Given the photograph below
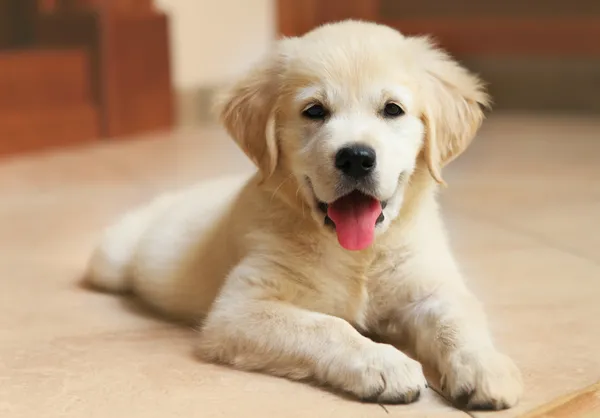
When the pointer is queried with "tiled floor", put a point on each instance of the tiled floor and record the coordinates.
(523, 210)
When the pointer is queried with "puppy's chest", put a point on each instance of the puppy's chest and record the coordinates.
(338, 283)
(341, 288)
(346, 283)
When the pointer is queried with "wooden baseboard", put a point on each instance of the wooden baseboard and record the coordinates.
(581, 404)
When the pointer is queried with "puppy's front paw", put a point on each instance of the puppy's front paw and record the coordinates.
(379, 373)
(484, 379)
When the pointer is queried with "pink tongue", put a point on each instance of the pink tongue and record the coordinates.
(355, 216)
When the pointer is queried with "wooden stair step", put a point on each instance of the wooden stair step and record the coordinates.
(22, 131)
(39, 78)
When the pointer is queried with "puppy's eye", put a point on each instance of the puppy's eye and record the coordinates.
(392, 110)
(315, 112)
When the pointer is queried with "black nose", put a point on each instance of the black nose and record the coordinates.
(356, 161)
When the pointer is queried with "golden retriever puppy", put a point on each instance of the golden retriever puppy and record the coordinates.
(338, 233)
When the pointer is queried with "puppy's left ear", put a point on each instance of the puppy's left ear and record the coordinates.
(453, 108)
(248, 109)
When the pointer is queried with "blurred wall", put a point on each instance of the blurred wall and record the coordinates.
(213, 40)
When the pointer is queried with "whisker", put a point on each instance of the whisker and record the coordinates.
(297, 191)
(301, 203)
(279, 187)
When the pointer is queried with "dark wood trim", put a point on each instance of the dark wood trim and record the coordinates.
(333, 10)
(16, 23)
(544, 34)
(509, 36)
(73, 30)
(296, 17)
(537, 9)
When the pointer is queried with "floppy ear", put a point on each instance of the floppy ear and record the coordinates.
(248, 111)
(453, 109)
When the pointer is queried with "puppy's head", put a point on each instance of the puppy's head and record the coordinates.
(349, 111)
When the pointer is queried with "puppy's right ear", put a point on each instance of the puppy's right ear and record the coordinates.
(248, 109)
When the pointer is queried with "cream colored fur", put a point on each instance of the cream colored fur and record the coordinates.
(252, 260)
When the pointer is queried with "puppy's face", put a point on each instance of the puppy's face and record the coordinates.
(349, 111)
(350, 133)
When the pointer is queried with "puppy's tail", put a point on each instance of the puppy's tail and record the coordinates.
(110, 267)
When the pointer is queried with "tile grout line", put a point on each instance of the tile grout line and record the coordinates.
(448, 401)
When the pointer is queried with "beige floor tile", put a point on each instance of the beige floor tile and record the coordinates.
(540, 177)
(151, 373)
(471, 236)
(543, 308)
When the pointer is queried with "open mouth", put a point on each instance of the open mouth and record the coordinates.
(354, 217)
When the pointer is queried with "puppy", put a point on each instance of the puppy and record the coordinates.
(336, 235)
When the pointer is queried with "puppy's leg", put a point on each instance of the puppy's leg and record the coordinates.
(250, 332)
(447, 328)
